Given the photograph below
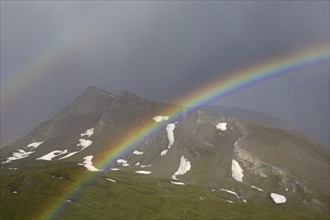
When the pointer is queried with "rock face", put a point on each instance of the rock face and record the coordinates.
(196, 148)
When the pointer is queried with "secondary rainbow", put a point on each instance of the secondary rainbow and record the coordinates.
(233, 82)
(37, 67)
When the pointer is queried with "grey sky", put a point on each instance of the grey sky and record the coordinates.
(159, 50)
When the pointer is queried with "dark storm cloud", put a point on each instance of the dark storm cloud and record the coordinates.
(156, 49)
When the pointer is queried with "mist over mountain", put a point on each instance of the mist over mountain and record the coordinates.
(212, 160)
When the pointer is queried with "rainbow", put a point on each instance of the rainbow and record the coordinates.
(66, 44)
(35, 68)
(233, 82)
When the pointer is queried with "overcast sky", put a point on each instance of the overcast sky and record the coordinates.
(52, 51)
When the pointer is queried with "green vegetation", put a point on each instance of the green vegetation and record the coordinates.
(41, 186)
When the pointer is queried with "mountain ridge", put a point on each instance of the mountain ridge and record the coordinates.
(247, 115)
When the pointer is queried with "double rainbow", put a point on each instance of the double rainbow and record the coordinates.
(219, 88)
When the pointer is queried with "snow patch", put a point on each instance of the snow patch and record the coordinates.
(111, 180)
(163, 153)
(143, 166)
(114, 169)
(34, 145)
(123, 162)
(12, 168)
(229, 201)
(231, 192)
(237, 171)
(84, 143)
(234, 193)
(143, 172)
(69, 155)
(88, 132)
(137, 164)
(137, 152)
(88, 163)
(160, 118)
(170, 136)
(20, 154)
(52, 154)
(221, 126)
(20, 151)
(177, 183)
(257, 188)
(184, 167)
(277, 198)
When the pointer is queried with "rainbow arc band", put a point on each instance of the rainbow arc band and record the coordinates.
(234, 82)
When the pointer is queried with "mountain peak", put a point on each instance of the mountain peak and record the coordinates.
(127, 96)
(93, 90)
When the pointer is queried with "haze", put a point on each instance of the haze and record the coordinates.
(52, 51)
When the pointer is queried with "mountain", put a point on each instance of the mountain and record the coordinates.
(247, 115)
(191, 166)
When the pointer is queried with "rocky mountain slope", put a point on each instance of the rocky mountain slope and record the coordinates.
(218, 159)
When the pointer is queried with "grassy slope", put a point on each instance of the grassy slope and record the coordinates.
(133, 196)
